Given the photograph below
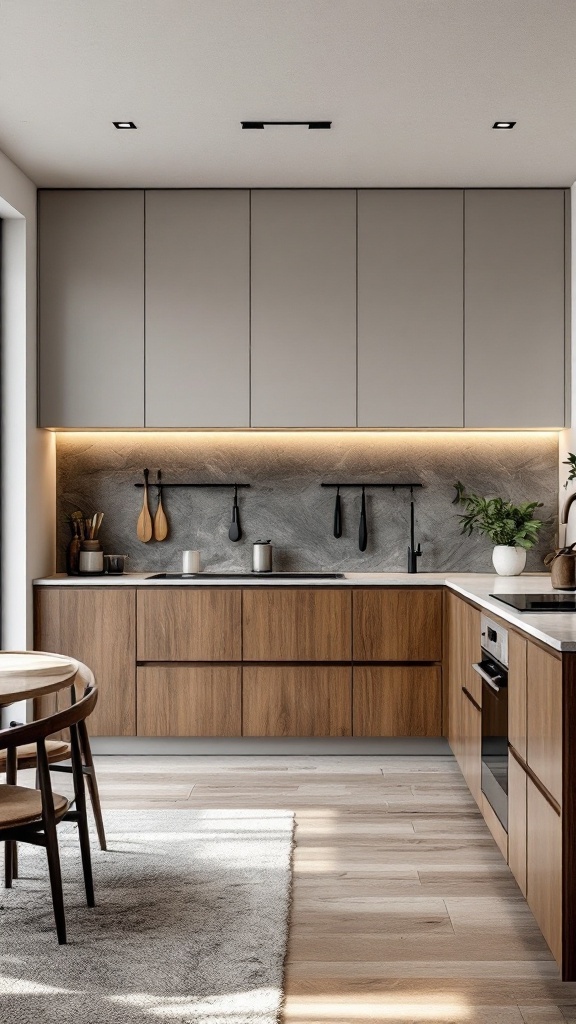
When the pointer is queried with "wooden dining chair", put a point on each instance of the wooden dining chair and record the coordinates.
(31, 815)
(58, 750)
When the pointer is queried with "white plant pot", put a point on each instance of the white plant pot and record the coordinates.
(508, 560)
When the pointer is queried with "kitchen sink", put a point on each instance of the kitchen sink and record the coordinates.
(247, 575)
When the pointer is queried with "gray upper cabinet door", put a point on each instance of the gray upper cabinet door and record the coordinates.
(410, 315)
(198, 308)
(91, 287)
(514, 308)
(303, 308)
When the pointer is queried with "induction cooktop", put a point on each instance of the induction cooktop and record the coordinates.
(564, 602)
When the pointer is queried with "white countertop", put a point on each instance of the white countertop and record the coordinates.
(557, 629)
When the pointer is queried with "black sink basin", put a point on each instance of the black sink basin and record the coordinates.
(247, 575)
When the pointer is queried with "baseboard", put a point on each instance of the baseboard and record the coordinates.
(343, 746)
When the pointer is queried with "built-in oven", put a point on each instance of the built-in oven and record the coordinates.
(493, 669)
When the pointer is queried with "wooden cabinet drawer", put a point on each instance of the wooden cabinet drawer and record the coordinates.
(397, 701)
(544, 868)
(544, 719)
(471, 746)
(517, 654)
(297, 625)
(517, 821)
(297, 700)
(397, 625)
(189, 700)
(189, 625)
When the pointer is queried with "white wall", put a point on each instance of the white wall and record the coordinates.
(28, 500)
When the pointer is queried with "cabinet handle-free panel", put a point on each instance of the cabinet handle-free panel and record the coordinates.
(189, 700)
(296, 700)
(544, 868)
(97, 627)
(189, 625)
(197, 308)
(471, 746)
(544, 719)
(397, 700)
(397, 625)
(517, 821)
(91, 291)
(297, 625)
(303, 319)
(514, 307)
(410, 308)
(517, 653)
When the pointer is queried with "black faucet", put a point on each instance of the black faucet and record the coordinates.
(413, 554)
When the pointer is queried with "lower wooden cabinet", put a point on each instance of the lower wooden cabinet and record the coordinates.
(299, 700)
(544, 867)
(289, 624)
(544, 712)
(395, 624)
(189, 625)
(463, 628)
(517, 821)
(471, 745)
(189, 700)
(394, 700)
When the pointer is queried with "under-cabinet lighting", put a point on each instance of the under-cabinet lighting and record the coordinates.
(123, 124)
(276, 124)
(504, 124)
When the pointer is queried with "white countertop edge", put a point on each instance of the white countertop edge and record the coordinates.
(556, 630)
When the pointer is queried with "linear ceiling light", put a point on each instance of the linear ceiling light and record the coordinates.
(123, 124)
(302, 124)
(504, 124)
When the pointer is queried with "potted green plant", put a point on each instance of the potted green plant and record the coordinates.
(512, 528)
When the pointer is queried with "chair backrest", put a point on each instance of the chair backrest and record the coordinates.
(39, 730)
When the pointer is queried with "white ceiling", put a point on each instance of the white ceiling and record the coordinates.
(412, 88)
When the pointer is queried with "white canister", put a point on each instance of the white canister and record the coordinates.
(190, 561)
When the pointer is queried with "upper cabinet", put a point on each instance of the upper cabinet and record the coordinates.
(91, 285)
(304, 308)
(514, 307)
(410, 300)
(198, 308)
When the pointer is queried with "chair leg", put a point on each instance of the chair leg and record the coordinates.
(15, 860)
(90, 773)
(10, 852)
(52, 852)
(80, 795)
(8, 863)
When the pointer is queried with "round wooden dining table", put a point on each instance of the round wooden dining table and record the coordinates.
(25, 675)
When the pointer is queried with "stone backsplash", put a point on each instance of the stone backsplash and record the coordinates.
(285, 503)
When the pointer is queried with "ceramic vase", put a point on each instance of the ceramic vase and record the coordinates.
(508, 560)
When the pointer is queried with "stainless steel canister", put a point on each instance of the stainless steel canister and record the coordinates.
(262, 556)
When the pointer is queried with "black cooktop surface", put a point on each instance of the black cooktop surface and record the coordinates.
(564, 602)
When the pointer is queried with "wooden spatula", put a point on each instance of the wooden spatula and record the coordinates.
(160, 521)
(144, 527)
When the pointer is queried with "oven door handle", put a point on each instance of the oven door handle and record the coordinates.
(491, 680)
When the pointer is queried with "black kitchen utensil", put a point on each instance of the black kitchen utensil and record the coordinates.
(338, 515)
(363, 531)
(235, 531)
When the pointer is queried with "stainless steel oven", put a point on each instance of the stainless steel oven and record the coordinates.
(493, 669)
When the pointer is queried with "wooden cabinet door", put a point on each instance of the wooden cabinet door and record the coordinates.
(296, 700)
(97, 627)
(544, 868)
(514, 307)
(463, 639)
(91, 307)
(186, 700)
(471, 763)
(189, 625)
(517, 655)
(396, 700)
(397, 625)
(198, 308)
(410, 353)
(517, 821)
(544, 718)
(303, 308)
(297, 625)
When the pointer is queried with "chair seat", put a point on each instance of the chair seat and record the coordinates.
(21, 806)
(56, 750)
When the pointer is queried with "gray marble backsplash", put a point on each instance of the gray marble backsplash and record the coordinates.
(285, 503)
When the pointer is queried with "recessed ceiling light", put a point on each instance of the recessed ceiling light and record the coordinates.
(123, 124)
(504, 124)
(301, 124)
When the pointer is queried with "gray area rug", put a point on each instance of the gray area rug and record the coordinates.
(190, 923)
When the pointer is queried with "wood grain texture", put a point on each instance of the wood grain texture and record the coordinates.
(297, 625)
(97, 627)
(397, 625)
(517, 821)
(463, 640)
(297, 700)
(517, 655)
(189, 700)
(544, 718)
(544, 868)
(396, 700)
(496, 827)
(471, 719)
(189, 625)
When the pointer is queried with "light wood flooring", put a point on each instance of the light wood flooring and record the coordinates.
(403, 908)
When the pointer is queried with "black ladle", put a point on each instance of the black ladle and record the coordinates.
(363, 531)
(338, 515)
(235, 531)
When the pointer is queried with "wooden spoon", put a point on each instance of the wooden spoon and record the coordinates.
(160, 521)
(144, 527)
